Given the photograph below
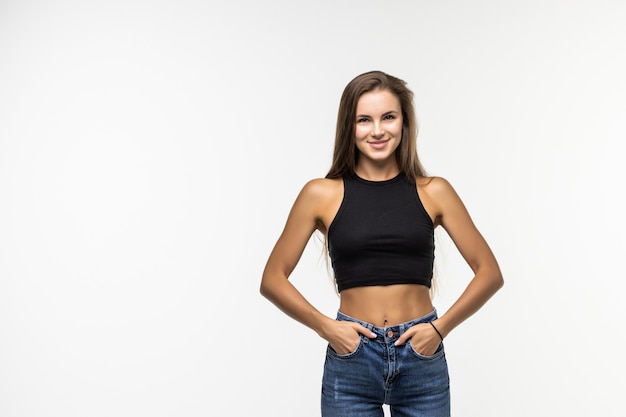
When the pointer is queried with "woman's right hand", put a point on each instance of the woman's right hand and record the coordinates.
(343, 336)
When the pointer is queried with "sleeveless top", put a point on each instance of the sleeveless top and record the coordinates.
(381, 234)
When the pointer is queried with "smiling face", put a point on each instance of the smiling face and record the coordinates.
(378, 127)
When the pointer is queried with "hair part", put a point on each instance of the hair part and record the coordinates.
(345, 154)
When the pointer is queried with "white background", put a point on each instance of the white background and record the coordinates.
(150, 152)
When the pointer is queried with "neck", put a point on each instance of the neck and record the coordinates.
(377, 173)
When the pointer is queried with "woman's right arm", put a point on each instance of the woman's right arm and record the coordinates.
(303, 220)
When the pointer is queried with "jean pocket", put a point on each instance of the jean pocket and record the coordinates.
(331, 352)
(438, 353)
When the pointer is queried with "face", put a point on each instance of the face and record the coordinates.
(378, 126)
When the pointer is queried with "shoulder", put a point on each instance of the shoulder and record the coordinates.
(439, 197)
(319, 190)
(316, 201)
(322, 186)
(435, 187)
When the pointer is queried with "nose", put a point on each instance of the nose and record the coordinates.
(377, 131)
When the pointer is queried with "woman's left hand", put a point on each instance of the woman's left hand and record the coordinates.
(423, 337)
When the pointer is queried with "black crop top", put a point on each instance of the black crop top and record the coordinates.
(381, 235)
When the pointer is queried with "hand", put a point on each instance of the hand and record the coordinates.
(343, 336)
(423, 338)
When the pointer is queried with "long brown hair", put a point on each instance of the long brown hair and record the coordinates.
(345, 155)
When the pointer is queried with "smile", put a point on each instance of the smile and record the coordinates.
(379, 144)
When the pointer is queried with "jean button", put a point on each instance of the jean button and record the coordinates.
(389, 333)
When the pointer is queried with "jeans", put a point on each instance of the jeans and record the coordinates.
(357, 384)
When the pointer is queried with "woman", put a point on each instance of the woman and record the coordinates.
(378, 210)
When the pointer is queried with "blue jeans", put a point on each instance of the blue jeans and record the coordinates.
(357, 384)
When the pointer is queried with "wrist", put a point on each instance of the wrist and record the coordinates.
(321, 328)
(436, 330)
(441, 327)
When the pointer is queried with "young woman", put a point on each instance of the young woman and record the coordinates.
(378, 210)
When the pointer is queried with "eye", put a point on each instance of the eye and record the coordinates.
(362, 120)
(390, 116)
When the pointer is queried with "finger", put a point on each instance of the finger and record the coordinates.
(365, 331)
(402, 339)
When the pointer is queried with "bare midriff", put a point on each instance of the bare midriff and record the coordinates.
(386, 305)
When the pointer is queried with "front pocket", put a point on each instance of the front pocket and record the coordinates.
(439, 352)
(331, 352)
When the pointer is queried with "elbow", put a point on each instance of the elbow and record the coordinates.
(494, 273)
(264, 288)
(272, 282)
(492, 278)
(498, 281)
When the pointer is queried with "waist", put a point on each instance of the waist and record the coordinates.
(385, 305)
(397, 328)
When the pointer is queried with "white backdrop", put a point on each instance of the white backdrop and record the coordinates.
(150, 152)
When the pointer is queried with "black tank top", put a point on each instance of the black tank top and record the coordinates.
(381, 235)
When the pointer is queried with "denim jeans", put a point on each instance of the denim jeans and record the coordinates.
(357, 384)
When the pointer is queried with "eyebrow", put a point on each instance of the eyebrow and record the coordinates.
(384, 114)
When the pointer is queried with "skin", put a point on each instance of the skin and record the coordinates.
(378, 132)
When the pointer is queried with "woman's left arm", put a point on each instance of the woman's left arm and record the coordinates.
(455, 219)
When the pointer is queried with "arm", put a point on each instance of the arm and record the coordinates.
(304, 218)
(487, 280)
(451, 214)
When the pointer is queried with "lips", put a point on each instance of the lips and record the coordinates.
(379, 144)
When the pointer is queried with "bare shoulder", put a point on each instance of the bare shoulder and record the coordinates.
(436, 188)
(322, 187)
(322, 197)
(438, 197)
(319, 192)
